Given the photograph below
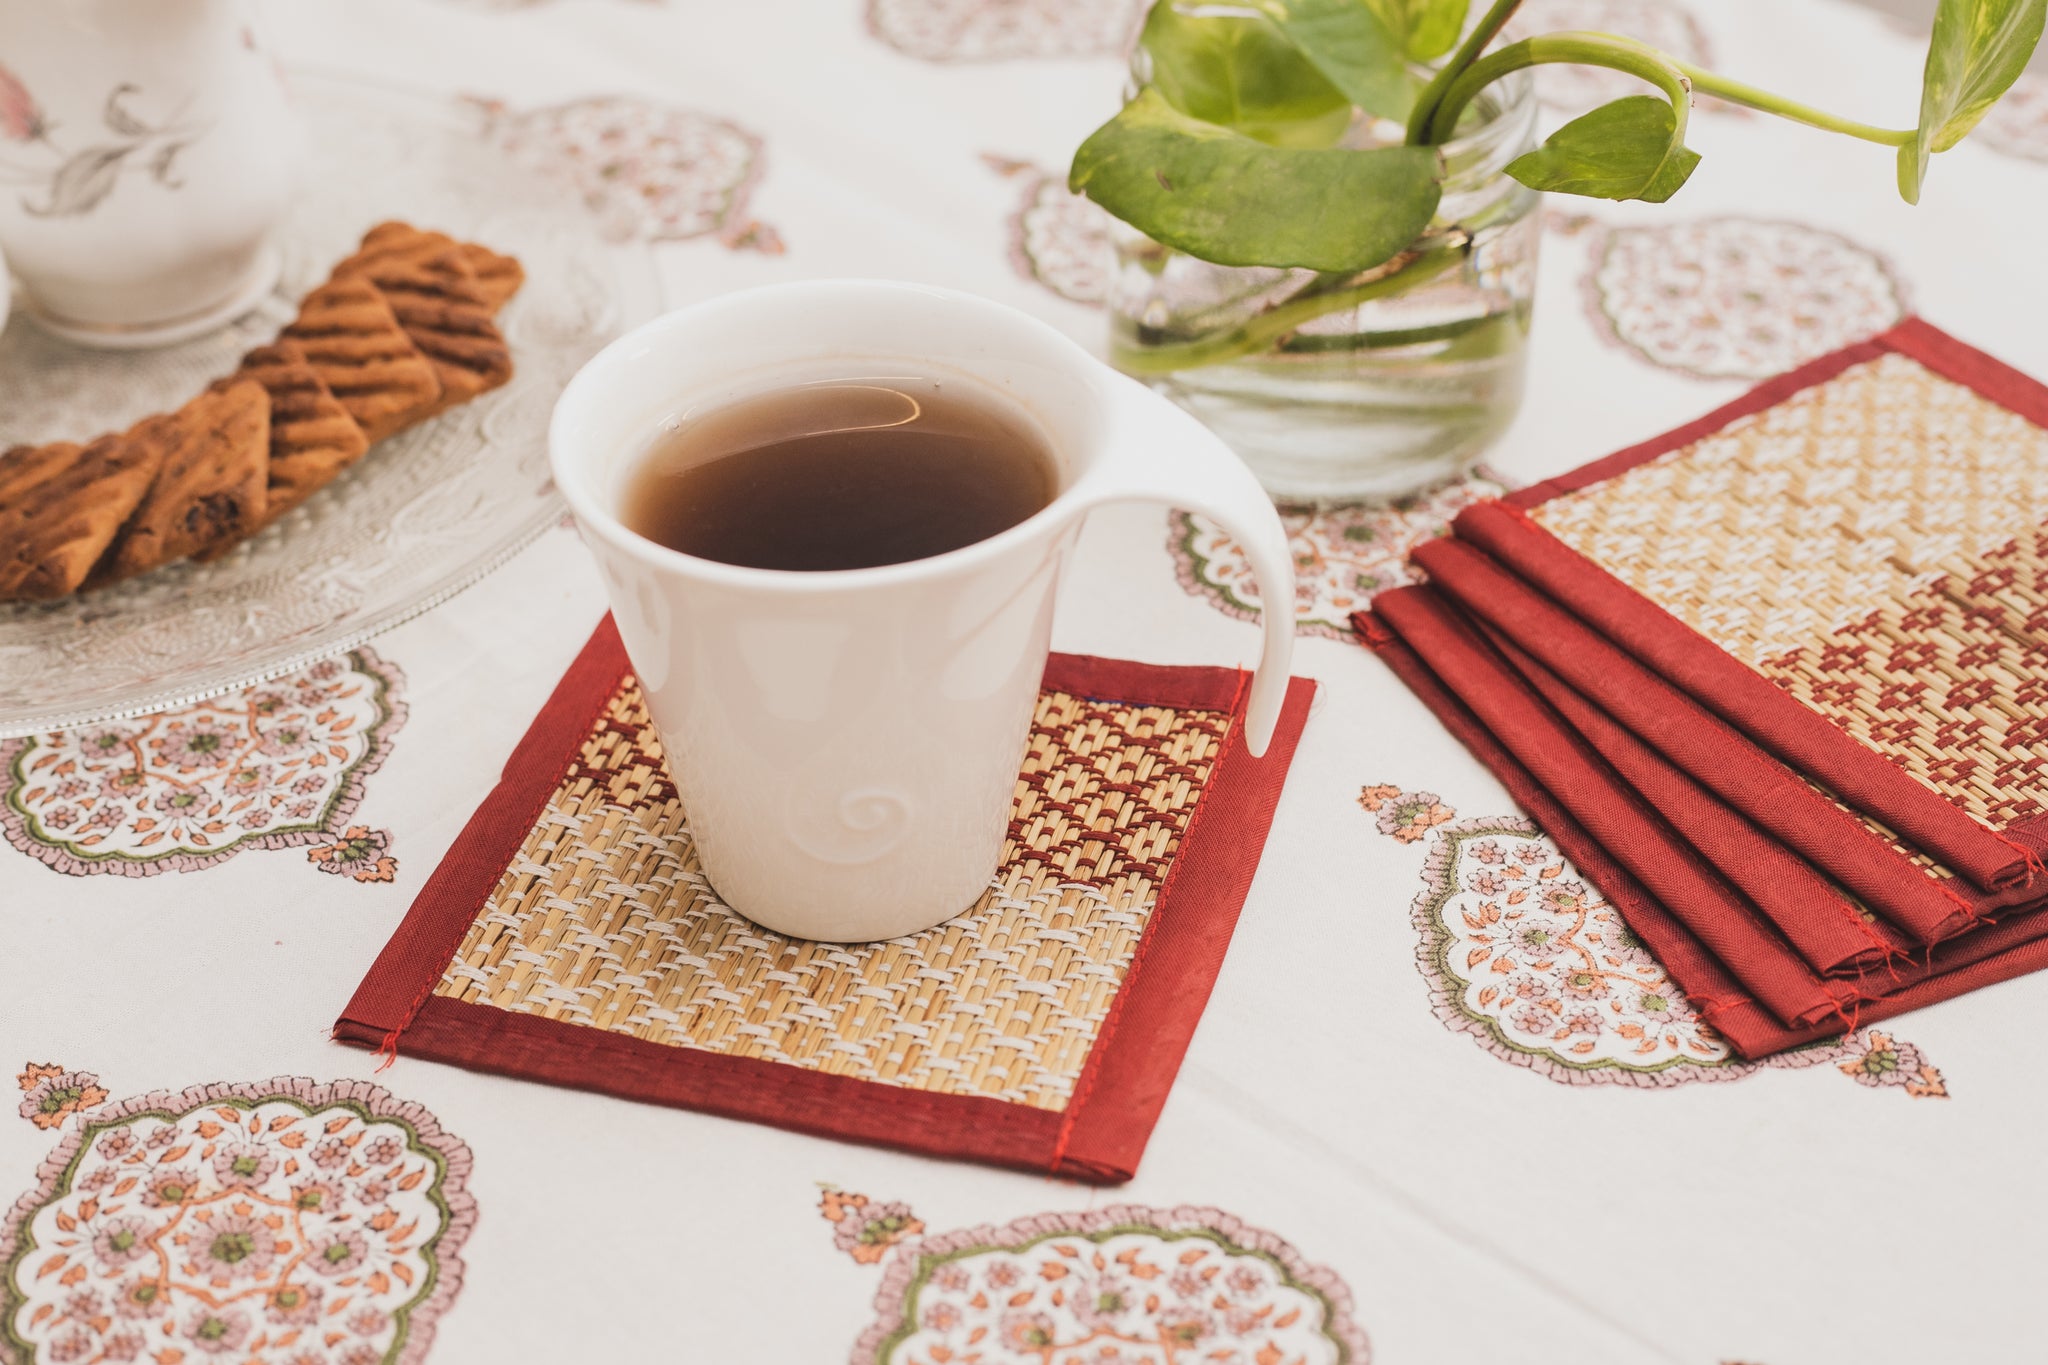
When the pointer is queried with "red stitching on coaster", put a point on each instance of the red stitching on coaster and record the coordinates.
(1518, 512)
(2035, 867)
(387, 1047)
(1370, 628)
(1086, 1084)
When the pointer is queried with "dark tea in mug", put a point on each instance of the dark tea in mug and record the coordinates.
(841, 474)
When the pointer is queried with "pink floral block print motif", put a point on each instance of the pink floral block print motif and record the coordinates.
(1534, 964)
(866, 1228)
(646, 170)
(51, 1094)
(1405, 816)
(1343, 554)
(992, 30)
(1737, 298)
(264, 1224)
(278, 765)
(1664, 24)
(1057, 238)
(1125, 1285)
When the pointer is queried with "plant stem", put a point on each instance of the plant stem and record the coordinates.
(1261, 330)
(1465, 334)
(1490, 24)
(1749, 97)
(1674, 77)
(1579, 49)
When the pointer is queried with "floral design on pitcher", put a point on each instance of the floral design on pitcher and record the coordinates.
(1057, 238)
(647, 170)
(1570, 88)
(1532, 962)
(74, 176)
(1737, 298)
(52, 1094)
(281, 764)
(995, 30)
(1125, 1285)
(1344, 554)
(281, 1222)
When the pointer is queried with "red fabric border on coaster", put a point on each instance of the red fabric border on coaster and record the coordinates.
(1914, 337)
(1101, 1134)
(1997, 861)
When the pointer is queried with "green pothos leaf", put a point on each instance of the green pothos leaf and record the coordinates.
(1238, 71)
(1351, 45)
(1628, 149)
(1978, 48)
(1426, 28)
(1223, 197)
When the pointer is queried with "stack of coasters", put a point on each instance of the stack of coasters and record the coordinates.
(1778, 682)
(569, 936)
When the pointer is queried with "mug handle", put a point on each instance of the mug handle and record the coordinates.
(1158, 453)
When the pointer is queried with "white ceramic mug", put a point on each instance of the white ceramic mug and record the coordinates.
(847, 743)
(146, 153)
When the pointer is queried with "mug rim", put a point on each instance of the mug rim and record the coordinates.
(589, 381)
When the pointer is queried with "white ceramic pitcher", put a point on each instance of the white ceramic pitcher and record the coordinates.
(146, 153)
(847, 743)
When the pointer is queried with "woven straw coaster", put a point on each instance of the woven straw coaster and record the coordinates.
(570, 936)
(1782, 669)
(1849, 563)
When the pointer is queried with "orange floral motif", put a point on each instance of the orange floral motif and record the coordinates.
(1736, 298)
(1872, 1057)
(1536, 966)
(646, 169)
(359, 853)
(867, 1229)
(1407, 816)
(267, 1224)
(281, 764)
(55, 1094)
(1057, 237)
(1125, 1285)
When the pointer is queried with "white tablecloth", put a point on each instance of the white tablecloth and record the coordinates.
(1481, 1196)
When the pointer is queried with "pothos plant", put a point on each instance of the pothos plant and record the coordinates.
(1238, 150)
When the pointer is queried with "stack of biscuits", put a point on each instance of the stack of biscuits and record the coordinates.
(402, 330)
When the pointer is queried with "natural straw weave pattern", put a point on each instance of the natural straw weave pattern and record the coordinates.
(604, 920)
(1873, 545)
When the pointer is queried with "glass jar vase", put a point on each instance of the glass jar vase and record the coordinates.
(1329, 399)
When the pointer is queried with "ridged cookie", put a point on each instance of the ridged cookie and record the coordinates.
(312, 437)
(437, 302)
(212, 484)
(61, 505)
(498, 277)
(353, 341)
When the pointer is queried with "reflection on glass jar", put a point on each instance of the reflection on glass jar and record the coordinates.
(1353, 386)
